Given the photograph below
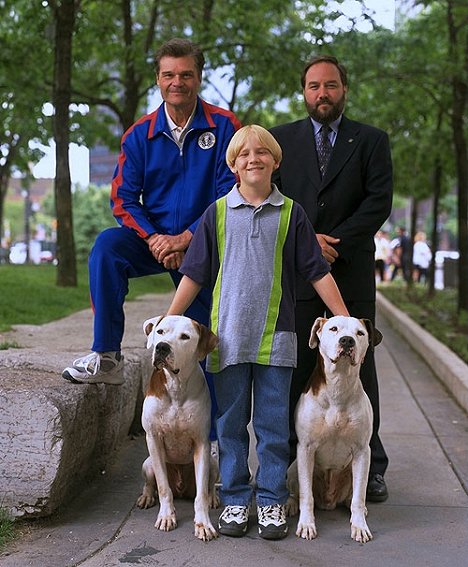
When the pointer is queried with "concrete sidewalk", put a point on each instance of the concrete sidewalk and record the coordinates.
(423, 523)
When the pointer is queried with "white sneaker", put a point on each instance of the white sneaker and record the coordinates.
(234, 521)
(96, 368)
(272, 521)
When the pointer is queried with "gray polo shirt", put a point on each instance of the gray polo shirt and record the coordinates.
(247, 274)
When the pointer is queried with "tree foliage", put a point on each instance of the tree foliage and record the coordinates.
(91, 215)
(23, 90)
(402, 81)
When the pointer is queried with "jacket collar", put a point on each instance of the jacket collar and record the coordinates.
(202, 119)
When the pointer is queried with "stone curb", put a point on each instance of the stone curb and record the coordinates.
(446, 365)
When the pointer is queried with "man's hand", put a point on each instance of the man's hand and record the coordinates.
(328, 252)
(163, 245)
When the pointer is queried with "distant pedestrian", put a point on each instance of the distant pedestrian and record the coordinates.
(382, 254)
(401, 254)
(422, 256)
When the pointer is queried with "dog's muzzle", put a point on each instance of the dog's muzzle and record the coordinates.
(163, 357)
(347, 348)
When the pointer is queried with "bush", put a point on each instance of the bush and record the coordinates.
(437, 315)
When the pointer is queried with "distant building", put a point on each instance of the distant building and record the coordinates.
(38, 189)
(102, 162)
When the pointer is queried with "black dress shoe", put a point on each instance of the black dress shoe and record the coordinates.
(376, 488)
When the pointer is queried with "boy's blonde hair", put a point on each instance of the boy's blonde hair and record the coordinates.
(265, 138)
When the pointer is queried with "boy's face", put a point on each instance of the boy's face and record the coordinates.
(254, 163)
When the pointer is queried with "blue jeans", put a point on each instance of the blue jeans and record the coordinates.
(270, 386)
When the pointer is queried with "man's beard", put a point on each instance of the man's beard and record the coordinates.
(328, 115)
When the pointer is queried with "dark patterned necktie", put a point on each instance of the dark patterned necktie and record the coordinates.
(324, 148)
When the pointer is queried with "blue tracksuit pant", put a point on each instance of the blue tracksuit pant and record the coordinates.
(119, 254)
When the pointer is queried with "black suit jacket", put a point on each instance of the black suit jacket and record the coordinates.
(351, 202)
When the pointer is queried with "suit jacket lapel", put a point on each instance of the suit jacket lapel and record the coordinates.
(346, 142)
(306, 152)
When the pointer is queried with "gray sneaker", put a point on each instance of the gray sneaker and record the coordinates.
(96, 368)
(272, 521)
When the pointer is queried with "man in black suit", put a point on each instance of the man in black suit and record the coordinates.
(347, 196)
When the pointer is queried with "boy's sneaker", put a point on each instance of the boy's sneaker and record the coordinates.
(96, 368)
(272, 521)
(234, 521)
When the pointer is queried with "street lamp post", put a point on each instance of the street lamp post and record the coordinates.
(25, 193)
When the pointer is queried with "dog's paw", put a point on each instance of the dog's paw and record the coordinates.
(292, 506)
(306, 530)
(205, 531)
(166, 523)
(361, 534)
(146, 501)
(213, 498)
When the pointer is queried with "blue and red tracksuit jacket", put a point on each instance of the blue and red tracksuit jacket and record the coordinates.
(160, 187)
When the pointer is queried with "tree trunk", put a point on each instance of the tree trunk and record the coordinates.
(458, 53)
(412, 232)
(4, 178)
(5, 174)
(64, 12)
(436, 193)
(437, 188)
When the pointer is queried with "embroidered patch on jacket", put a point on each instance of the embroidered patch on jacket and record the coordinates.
(206, 140)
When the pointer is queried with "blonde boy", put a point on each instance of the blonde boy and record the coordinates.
(248, 247)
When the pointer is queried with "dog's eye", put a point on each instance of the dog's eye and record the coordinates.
(334, 329)
(360, 333)
(184, 337)
(160, 332)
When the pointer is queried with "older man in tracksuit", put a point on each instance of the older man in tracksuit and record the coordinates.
(171, 167)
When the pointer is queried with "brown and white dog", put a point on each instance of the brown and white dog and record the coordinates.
(334, 425)
(176, 418)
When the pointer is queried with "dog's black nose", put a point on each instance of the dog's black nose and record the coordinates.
(163, 349)
(347, 342)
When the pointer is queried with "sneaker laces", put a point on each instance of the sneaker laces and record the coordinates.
(274, 514)
(91, 363)
(231, 513)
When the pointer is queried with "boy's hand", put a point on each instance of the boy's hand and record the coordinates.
(173, 260)
(328, 252)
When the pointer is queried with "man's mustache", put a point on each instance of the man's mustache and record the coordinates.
(324, 100)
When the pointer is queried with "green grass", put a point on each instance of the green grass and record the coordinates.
(437, 315)
(6, 528)
(29, 294)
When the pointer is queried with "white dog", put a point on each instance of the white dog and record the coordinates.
(176, 418)
(334, 425)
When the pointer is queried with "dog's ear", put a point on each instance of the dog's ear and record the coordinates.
(148, 326)
(207, 342)
(316, 328)
(375, 336)
(150, 323)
